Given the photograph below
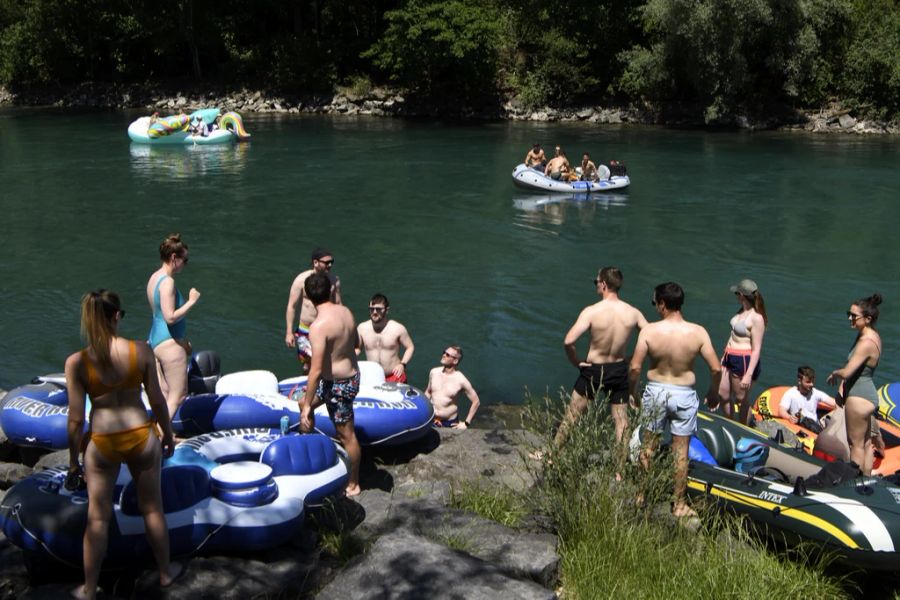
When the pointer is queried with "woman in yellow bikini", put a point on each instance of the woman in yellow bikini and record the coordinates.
(111, 370)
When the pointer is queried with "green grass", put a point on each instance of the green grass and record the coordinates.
(611, 548)
(501, 505)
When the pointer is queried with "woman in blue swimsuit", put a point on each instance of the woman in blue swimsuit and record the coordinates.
(857, 387)
(167, 332)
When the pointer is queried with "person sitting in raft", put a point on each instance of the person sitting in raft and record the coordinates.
(588, 169)
(536, 159)
(802, 401)
(444, 384)
(558, 167)
(121, 432)
(199, 127)
(154, 118)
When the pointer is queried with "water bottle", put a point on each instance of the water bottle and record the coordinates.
(285, 424)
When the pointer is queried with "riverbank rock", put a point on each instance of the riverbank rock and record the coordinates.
(384, 102)
(404, 565)
(404, 510)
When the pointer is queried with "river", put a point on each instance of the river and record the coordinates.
(426, 213)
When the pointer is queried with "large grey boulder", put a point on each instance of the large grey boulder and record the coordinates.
(516, 553)
(403, 565)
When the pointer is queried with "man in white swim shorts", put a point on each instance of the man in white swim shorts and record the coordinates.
(669, 397)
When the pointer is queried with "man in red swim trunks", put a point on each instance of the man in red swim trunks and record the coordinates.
(381, 339)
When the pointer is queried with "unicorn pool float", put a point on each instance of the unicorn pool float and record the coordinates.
(189, 129)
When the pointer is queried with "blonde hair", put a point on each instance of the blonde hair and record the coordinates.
(98, 321)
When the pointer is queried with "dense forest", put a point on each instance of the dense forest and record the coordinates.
(716, 56)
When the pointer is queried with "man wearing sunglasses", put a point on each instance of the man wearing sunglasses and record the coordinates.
(603, 373)
(444, 385)
(298, 337)
(381, 339)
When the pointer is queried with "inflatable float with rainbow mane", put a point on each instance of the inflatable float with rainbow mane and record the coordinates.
(176, 129)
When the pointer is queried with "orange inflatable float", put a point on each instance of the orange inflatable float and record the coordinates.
(833, 442)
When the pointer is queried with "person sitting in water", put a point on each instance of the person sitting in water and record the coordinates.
(558, 167)
(802, 401)
(536, 159)
(588, 169)
(444, 384)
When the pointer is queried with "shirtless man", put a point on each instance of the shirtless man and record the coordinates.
(588, 169)
(672, 345)
(444, 384)
(603, 372)
(333, 372)
(381, 339)
(322, 261)
(558, 166)
(536, 159)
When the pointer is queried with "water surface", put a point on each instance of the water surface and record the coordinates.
(426, 213)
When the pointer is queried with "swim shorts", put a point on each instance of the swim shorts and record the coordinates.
(677, 404)
(304, 347)
(737, 361)
(556, 175)
(338, 397)
(439, 422)
(391, 378)
(609, 379)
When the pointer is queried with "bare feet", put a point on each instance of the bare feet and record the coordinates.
(541, 456)
(176, 570)
(81, 594)
(353, 490)
(681, 510)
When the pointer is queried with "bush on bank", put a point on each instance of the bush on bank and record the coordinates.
(612, 548)
(722, 56)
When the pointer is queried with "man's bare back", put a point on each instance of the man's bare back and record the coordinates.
(672, 347)
(335, 331)
(610, 323)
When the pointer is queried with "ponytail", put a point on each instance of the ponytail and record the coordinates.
(759, 305)
(98, 318)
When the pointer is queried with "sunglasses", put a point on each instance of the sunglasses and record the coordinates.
(327, 263)
(453, 356)
(184, 258)
(596, 280)
(853, 316)
(121, 314)
(377, 309)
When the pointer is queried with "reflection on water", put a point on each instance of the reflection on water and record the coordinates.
(555, 209)
(184, 162)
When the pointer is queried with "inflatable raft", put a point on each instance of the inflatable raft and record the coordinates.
(831, 442)
(175, 129)
(385, 413)
(785, 493)
(889, 403)
(228, 491)
(534, 180)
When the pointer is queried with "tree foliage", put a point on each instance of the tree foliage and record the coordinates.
(436, 47)
(722, 55)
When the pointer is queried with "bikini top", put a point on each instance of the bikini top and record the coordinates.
(96, 387)
(739, 326)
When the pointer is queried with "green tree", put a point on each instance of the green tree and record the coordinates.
(872, 70)
(442, 49)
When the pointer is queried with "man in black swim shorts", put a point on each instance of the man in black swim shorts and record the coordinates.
(333, 370)
(604, 372)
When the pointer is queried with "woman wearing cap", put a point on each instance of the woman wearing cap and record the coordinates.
(742, 351)
(169, 327)
(857, 387)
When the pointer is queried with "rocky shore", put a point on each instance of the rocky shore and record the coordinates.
(400, 538)
(390, 103)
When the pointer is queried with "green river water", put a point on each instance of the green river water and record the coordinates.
(426, 213)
